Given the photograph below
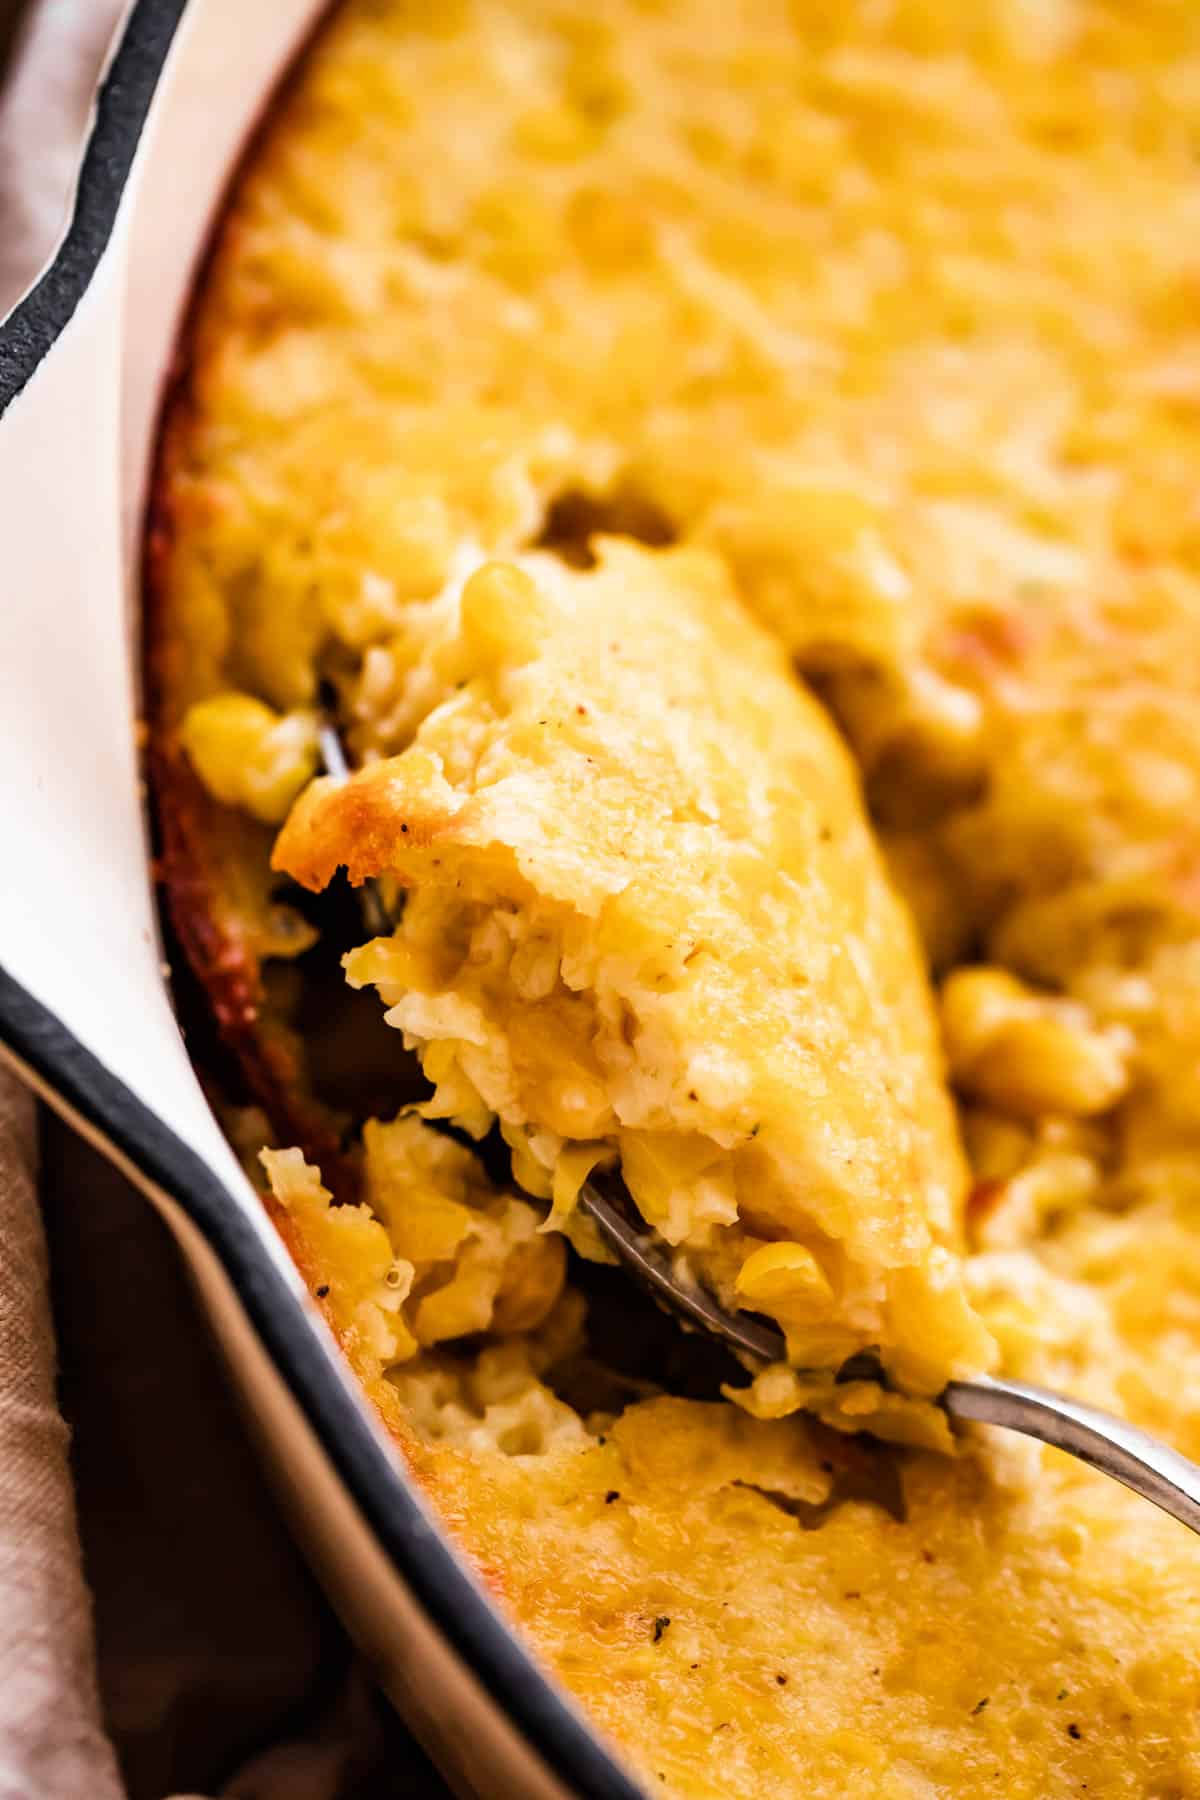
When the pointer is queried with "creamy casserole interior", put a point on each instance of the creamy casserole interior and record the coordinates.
(733, 470)
(645, 919)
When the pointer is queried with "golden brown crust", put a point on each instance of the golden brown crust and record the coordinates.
(198, 842)
(195, 839)
(453, 1499)
(361, 827)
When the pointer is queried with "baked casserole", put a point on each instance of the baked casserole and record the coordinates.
(731, 471)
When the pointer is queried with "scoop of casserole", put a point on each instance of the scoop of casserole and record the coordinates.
(646, 920)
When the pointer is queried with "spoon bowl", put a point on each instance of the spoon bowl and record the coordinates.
(1131, 1456)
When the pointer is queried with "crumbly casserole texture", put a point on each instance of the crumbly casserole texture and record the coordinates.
(646, 919)
(735, 468)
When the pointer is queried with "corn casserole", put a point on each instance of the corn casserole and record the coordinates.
(732, 471)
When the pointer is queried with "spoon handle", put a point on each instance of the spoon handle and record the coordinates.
(1130, 1456)
(1133, 1457)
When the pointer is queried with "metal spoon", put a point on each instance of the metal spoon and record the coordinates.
(1130, 1456)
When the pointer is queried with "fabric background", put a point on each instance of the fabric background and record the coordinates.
(50, 1737)
(203, 1660)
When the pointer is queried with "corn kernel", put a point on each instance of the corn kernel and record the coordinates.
(1027, 1053)
(787, 1274)
(249, 756)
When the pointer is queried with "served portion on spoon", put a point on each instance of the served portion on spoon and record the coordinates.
(645, 922)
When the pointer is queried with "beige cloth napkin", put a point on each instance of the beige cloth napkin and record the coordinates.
(209, 1660)
(58, 51)
(50, 1737)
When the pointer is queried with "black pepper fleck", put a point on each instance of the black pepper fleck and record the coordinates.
(322, 1290)
(979, 1706)
(782, 1680)
(612, 1494)
(660, 1625)
(1074, 1731)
